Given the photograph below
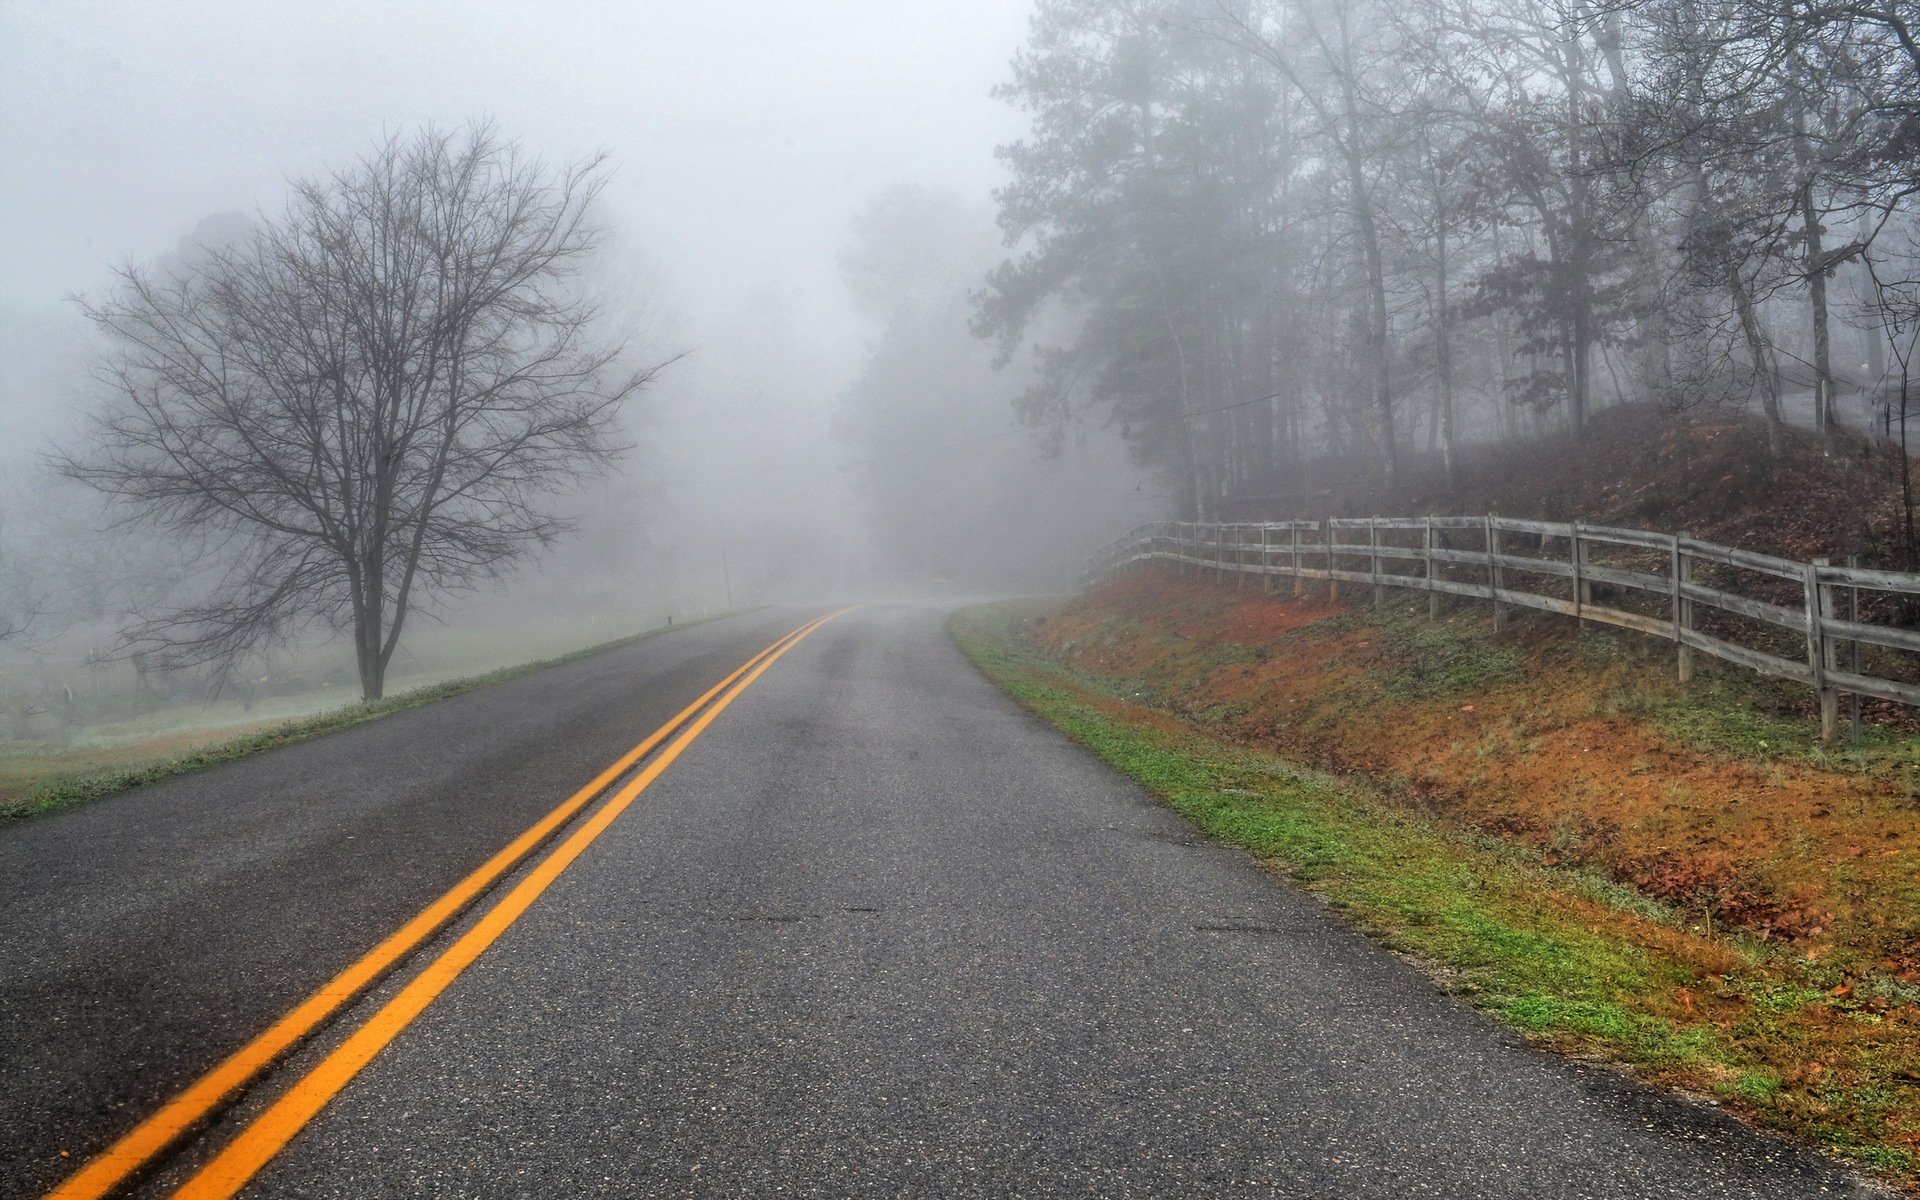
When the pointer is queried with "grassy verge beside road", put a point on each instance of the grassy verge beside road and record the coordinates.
(1793, 1032)
(35, 780)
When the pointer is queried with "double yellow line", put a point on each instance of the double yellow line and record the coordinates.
(255, 1145)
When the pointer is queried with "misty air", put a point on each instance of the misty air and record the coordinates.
(998, 598)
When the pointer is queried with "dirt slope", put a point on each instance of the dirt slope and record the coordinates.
(1582, 744)
(1707, 474)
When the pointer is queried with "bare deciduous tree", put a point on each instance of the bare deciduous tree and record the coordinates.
(22, 606)
(370, 401)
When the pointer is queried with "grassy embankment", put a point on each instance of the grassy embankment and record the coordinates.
(1683, 882)
(36, 779)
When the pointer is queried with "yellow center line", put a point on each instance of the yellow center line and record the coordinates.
(271, 1130)
(137, 1150)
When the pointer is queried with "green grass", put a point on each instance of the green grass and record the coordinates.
(1393, 872)
(1578, 962)
(1726, 710)
(66, 790)
(1440, 660)
(1757, 1085)
(1739, 715)
(1736, 715)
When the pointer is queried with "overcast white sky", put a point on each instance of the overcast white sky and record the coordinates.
(746, 132)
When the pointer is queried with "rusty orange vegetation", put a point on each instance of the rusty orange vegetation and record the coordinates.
(1792, 931)
(1562, 755)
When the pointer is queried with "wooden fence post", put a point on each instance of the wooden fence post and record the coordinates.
(1830, 621)
(1823, 654)
(1373, 551)
(1333, 585)
(1680, 573)
(1493, 574)
(1582, 586)
(1433, 596)
(1853, 614)
(1294, 542)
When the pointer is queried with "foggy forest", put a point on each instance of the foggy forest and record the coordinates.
(1244, 260)
(1251, 261)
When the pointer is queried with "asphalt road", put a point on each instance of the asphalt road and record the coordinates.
(145, 937)
(876, 933)
(880, 933)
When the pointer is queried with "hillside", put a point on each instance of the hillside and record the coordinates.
(1764, 890)
(1706, 474)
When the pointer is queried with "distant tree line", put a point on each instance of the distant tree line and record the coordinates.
(954, 493)
(1269, 238)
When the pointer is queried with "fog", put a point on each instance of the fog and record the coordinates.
(927, 299)
(745, 140)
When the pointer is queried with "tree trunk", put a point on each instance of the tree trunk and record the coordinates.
(1822, 345)
(1906, 478)
(1364, 225)
(1443, 362)
(1876, 342)
(1656, 349)
(1816, 279)
(371, 663)
(1579, 239)
(1579, 327)
(1363, 220)
(1762, 356)
(1503, 400)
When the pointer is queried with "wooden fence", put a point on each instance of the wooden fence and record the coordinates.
(1797, 621)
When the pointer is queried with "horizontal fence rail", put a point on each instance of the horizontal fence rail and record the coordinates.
(1793, 620)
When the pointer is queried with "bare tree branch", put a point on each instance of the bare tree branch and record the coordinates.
(372, 399)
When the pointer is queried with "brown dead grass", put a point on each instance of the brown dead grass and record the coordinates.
(1778, 848)
(28, 767)
(1778, 977)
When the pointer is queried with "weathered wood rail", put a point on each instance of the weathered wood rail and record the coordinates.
(1804, 617)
